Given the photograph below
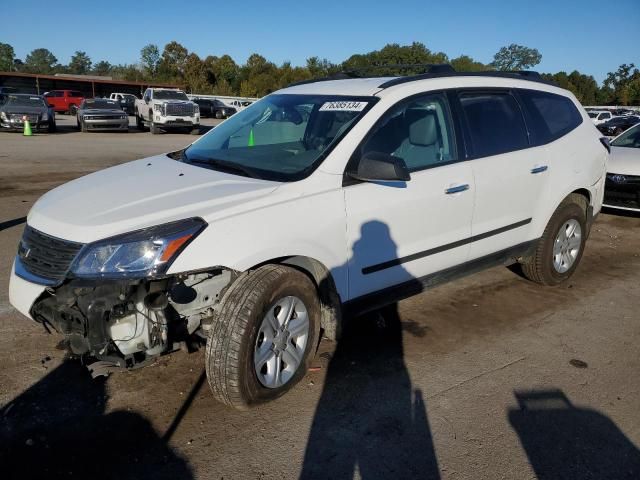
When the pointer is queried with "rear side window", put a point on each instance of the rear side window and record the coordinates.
(74, 93)
(495, 123)
(549, 116)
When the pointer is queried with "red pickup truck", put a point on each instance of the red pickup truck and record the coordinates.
(64, 100)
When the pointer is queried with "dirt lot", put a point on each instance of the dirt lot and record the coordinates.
(491, 377)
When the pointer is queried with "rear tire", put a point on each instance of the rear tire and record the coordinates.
(219, 115)
(561, 246)
(195, 130)
(73, 109)
(248, 361)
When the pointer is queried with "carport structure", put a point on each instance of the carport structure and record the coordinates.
(89, 85)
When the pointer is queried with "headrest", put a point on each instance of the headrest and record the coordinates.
(422, 126)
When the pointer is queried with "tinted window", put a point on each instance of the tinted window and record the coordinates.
(418, 131)
(495, 123)
(75, 93)
(549, 116)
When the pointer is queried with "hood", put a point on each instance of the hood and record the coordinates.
(624, 160)
(13, 109)
(103, 111)
(141, 194)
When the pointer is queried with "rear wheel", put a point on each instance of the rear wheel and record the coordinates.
(219, 114)
(560, 248)
(195, 130)
(263, 338)
(73, 109)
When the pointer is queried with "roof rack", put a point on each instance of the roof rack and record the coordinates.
(522, 74)
(428, 68)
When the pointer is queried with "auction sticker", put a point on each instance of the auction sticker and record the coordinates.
(344, 106)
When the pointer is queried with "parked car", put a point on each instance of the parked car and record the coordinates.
(214, 108)
(64, 101)
(127, 101)
(617, 125)
(16, 107)
(600, 116)
(101, 114)
(7, 90)
(167, 108)
(622, 189)
(323, 198)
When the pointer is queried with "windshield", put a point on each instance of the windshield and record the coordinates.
(281, 137)
(25, 101)
(629, 139)
(170, 95)
(101, 103)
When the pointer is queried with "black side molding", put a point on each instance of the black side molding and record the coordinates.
(425, 253)
(605, 143)
(395, 293)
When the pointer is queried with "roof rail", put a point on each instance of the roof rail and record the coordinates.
(356, 72)
(522, 74)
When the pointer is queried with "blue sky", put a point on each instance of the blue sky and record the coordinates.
(592, 36)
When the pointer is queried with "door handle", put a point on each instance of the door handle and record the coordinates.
(457, 189)
(540, 169)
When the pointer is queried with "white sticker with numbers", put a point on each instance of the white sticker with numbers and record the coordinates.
(344, 106)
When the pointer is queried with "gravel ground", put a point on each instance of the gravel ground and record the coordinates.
(489, 377)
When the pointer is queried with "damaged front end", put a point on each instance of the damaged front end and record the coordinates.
(127, 323)
(113, 299)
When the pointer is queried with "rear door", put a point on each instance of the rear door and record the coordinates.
(509, 175)
(400, 232)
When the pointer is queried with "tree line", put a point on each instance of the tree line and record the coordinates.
(258, 76)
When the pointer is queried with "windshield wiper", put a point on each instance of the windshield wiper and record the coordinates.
(223, 165)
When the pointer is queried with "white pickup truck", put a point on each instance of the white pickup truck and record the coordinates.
(164, 108)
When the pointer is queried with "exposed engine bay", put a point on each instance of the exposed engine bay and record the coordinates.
(128, 323)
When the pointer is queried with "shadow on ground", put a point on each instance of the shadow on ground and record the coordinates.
(58, 428)
(369, 419)
(565, 441)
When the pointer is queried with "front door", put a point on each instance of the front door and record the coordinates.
(402, 231)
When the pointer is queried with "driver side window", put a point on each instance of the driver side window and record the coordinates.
(418, 130)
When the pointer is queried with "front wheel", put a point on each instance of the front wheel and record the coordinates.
(263, 338)
(153, 128)
(195, 130)
(561, 246)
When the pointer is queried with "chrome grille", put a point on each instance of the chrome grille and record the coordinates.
(179, 109)
(45, 256)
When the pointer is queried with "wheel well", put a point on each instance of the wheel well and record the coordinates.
(583, 192)
(320, 275)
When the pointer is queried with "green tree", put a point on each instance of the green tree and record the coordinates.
(40, 60)
(465, 63)
(195, 75)
(102, 68)
(7, 57)
(516, 57)
(80, 63)
(622, 84)
(394, 54)
(319, 68)
(258, 77)
(150, 58)
(173, 61)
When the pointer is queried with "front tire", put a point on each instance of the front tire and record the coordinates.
(263, 339)
(153, 129)
(195, 130)
(561, 246)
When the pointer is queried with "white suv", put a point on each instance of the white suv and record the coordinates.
(325, 197)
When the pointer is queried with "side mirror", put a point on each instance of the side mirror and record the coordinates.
(381, 167)
(146, 99)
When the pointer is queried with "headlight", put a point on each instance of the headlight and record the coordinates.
(158, 108)
(144, 253)
(4, 117)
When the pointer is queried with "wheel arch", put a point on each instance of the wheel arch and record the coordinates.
(321, 276)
